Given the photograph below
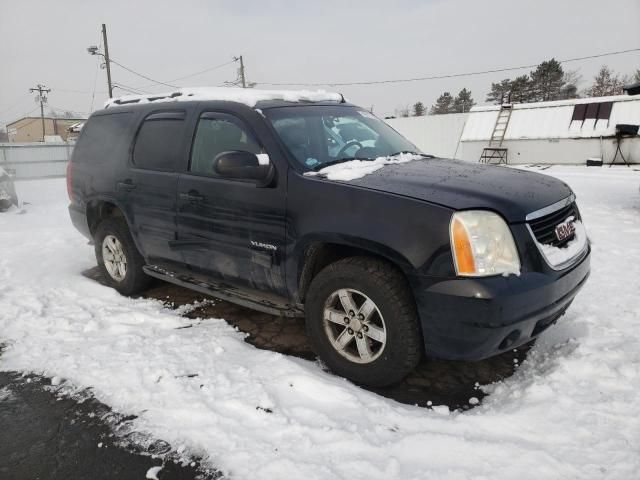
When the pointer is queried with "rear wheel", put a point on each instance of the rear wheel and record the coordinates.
(118, 258)
(362, 321)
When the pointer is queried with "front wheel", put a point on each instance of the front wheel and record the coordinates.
(118, 258)
(362, 321)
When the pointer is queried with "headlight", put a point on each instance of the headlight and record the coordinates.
(482, 244)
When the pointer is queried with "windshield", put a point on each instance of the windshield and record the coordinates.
(321, 135)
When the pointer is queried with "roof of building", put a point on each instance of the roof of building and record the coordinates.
(555, 103)
(62, 119)
(248, 96)
(554, 119)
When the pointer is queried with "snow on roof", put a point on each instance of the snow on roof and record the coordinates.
(545, 120)
(555, 103)
(76, 127)
(248, 96)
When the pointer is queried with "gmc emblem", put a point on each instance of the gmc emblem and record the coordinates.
(565, 229)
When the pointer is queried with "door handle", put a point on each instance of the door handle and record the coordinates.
(126, 186)
(192, 196)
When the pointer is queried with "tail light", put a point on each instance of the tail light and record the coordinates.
(69, 192)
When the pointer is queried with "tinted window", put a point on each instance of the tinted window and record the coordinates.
(158, 144)
(217, 135)
(316, 135)
(102, 137)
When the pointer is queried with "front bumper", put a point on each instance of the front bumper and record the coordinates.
(477, 318)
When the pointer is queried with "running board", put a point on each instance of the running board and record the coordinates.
(226, 292)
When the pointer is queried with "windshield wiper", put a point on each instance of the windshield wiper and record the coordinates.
(320, 166)
(425, 155)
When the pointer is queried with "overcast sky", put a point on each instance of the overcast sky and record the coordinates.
(296, 41)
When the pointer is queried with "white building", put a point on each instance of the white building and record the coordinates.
(566, 131)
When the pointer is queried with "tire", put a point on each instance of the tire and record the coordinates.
(394, 314)
(134, 280)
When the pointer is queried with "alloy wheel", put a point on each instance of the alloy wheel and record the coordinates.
(354, 326)
(115, 261)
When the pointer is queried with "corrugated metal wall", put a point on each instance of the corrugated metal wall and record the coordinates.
(437, 135)
(35, 160)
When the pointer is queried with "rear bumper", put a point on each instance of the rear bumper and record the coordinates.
(79, 220)
(473, 319)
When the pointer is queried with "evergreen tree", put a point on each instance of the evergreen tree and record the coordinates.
(605, 83)
(499, 92)
(547, 81)
(521, 89)
(636, 76)
(463, 102)
(444, 104)
(418, 109)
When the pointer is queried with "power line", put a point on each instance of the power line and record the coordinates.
(22, 98)
(157, 82)
(204, 71)
(143, 76)
(439, 77)
(130, 89)
(24, 115)
(53, 110)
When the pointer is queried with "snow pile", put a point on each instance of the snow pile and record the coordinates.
(248, 96)
(152, 473)
(557, 256)
(568, 412)
(355, 169)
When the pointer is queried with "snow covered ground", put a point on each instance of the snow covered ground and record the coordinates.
(570, 411)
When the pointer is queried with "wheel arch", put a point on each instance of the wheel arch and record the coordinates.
(316, 252)
(102, 207)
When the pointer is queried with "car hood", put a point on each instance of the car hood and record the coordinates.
(463, 185)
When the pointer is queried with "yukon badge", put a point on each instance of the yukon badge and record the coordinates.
(263, 246)
(565, 229)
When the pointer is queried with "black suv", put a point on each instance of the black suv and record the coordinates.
(305, 205)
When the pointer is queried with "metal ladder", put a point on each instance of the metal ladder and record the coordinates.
(495, 151)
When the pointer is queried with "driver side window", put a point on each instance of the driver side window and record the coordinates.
(214, 136)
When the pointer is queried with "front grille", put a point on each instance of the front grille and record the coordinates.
(544, 228)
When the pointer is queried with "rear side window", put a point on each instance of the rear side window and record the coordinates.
(159, 142)
(103, 137)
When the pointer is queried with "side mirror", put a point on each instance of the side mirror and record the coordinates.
(243, 166)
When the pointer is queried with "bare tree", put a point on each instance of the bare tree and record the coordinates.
(606, 83)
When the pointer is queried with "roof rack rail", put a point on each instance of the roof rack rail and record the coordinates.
(248, 96)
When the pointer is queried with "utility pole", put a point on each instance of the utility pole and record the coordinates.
(42, 90)
(242, 77)
(106, 59)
